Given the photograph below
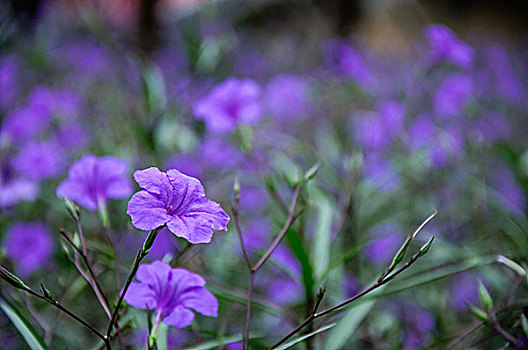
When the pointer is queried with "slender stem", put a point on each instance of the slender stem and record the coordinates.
(59, 306)
(292, 215)
(154, 332)
(147, 245)
(93, 281)
(236, 219)
(316, 314)
(498, 328)
(248, 309)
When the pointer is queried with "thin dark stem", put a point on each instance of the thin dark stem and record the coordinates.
(71, 314)
(147, 245)
(292, 215)
(236, 219)
(316, 314)
(93, 281)
(498, 328)
(248, 309)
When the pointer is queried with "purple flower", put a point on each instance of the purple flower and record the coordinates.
(178, 201)
(453, 95)
(507, 83)
(220, 154)
(287, 97)
(15, 190)
(171, 292)
(9, 70)
(92, 181)
(29, 245)
(421, 132)
(186, 162)
(493, 127)
(38, 161)
(444, 46)
(347, 62)
(25, 123)
(381, 249)
(463, 289)
(370, 131)
(392, 113)
(508, 193)
(379, 171)
(230, 103)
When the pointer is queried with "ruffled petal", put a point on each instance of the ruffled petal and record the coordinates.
(195, 229)
(179, 318)
(150, 179)
(202, 301)
(210, 211)
(186, 189)
(146, 211)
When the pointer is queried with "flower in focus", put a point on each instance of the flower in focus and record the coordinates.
(444, 46)
(230, 103)
(29, 245)
(178, 201)
(93, 180)
(287, 97)
(171, 292)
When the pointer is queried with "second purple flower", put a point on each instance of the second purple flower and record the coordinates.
(178, 201)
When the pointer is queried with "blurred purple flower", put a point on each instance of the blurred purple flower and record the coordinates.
(29, 245)
(220, 154)
(64, 104)
(463, 289)
(421, 132)
(454, 93)
(506, 82)
(445, 47)
(253, 199)
(347, 62)
(287, 97)
(16, 190)
(93, 180)
(87, 58)
(72, 136)
(230, 103)
(25, 123)
(171, 292)
(188, 163)
(393, 114)
(493, 127)
(419, 324)
(283, 290)
(447, 147)
(39, 160)
(380, 250)
(370, 131)
(508, 193)
(379, 171)
(250, 63)
(9, 69)
(257, 233)
(178, 201)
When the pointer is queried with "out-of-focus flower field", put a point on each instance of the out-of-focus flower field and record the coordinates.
(337, 148)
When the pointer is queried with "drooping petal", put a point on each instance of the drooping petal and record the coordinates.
(112, 180)
(202, 301)
(139, 295)
(209, 210)
(77, 192)
(179, 318)
(147, 211)
(193, 228)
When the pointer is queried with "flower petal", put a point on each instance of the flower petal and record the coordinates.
(179, 318)
(210, 211)
(139, 295)
(193, 228)
(153, 273)
(202, 301)
(146, 211)
(150, 179)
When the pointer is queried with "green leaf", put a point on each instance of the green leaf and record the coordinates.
(347, 325)
(322, 241)
(485, 297)
(33, 341)
(306, 336)
(512, 265)
(301, 254)
(481, 315)
(524, 323)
